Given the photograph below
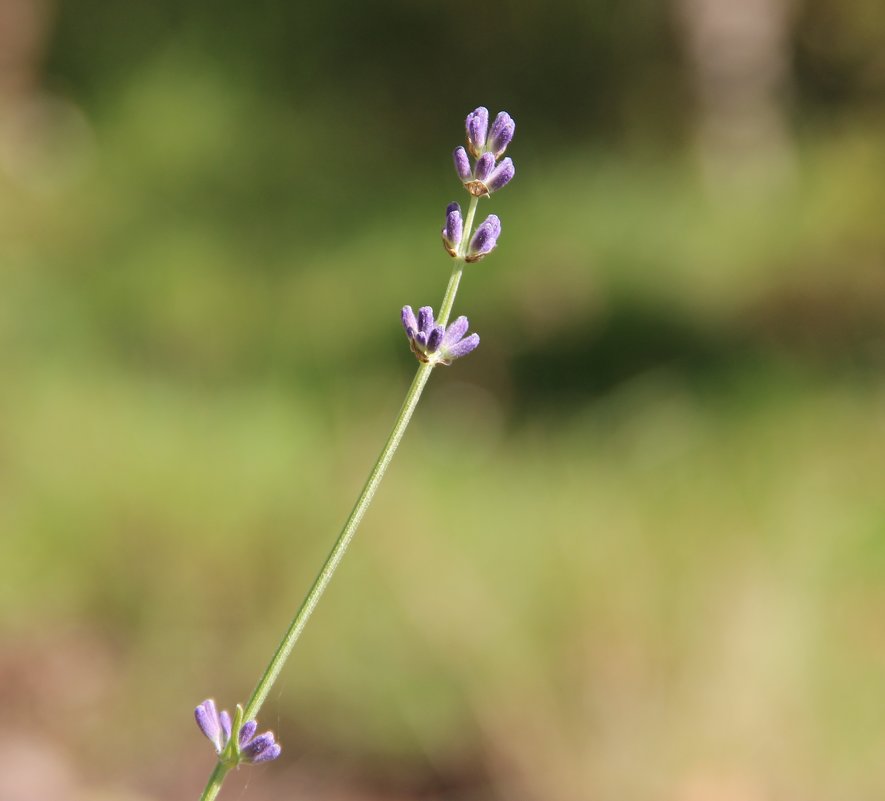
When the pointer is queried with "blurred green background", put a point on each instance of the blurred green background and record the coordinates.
(632, 548)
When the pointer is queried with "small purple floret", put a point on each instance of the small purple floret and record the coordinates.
(501, 134)
(409, 322)
(208, 720)
(247, 732)
(485, 239)
(501, 175)
(425, 320)
(259, 749)
(434, 340)
(484, 166)
(462, 348)
(462, 164)
(455, 331)
(454, 229)
(438, 345)
(477, 125)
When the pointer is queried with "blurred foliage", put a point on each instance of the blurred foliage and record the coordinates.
(642, 525)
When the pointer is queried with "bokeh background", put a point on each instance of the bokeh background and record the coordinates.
(633, 548)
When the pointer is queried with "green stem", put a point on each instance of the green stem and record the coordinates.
(215, 782)
(272, 672)
(322, 580)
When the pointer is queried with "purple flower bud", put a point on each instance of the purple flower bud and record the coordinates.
(425, 320)
(261, 749)
(434, 339)
(420, 332)
(438, 345)
(501, 175)
(455, 331)
(257, 749)
(209, 721)
(459, 349)
(410, 324)
(501, 134)
(247, 732)
(453, 230)
(484, 240)
(462, 164)
(484, 166)
(454, 346)
(477, 125)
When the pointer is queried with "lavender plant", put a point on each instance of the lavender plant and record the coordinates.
(433, 341)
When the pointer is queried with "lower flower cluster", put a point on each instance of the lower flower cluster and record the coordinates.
(247, 747)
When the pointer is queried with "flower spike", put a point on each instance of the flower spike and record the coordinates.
(433, 344)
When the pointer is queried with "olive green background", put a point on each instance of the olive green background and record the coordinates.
(633, 547)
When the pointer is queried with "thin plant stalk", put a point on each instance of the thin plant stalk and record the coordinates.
(308, 605)
(432, 342)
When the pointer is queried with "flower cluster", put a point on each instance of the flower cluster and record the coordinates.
(483, 241)
(247, 747)
(486, 146)
(484, 177)
(433, 344)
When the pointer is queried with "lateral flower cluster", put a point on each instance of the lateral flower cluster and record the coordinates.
(433, 344)
(247, 747)
(486, 146)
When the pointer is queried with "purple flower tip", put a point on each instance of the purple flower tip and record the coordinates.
(209, 721)
(484, 239)
(501, 175)
(437, 345)
(477, 125)
(462, 164)
(258, 749)
(501, 134)
(410, 324)
(460, 349)
(454, 229)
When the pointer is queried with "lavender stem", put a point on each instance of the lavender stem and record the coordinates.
(215, 781)
(322, 580)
